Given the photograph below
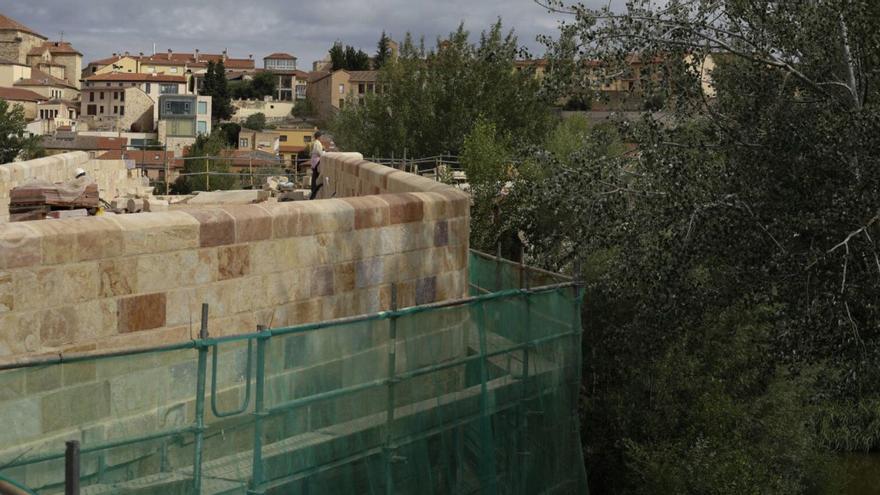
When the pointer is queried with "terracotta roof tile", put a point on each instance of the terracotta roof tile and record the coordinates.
(145, 157)
(54, 47)
(363, 75)
(40, 78)
(126, 76)
(18, 94)
(280, 55)
(7, 24)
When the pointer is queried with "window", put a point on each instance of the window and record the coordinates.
(122, 96)
(91, 96)
(307, 139)
(361, 88)
(203, 108)
(91, 110)
(202, 127)
(122, 110)
(243, 143)
(102, 95)
(108, 85)
(115, 109)
(371, 88)
(115, 95)
(342, 89)
(174, 70)
(282, 138)
(102, 110)
(120, 84)
(167, 89)
(177, 108)
(341, 103)
(148, 88)
(181, 127)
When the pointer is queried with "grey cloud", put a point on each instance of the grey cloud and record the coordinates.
(259, 27)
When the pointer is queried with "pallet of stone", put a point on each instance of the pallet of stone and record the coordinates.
(54, 195)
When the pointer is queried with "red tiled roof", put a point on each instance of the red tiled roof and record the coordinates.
(131, 76)
(7, 24)
(280, 55)
(4, 61)
(40, 78)
(54, 47)
(317, 76)
(181, 59)
(18, 94)
(105, 61)
(111, 143)
(145, 157)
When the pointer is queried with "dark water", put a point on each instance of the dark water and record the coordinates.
(862, 474)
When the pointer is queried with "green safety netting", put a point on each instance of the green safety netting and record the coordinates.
(471, 396)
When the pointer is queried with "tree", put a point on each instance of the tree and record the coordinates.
(229, 132)
(348, 58)
(428, 102)
(216, 86)
(256, 121)
(15, 141)
(383, 52)
(303, 108)
(206, 161)
(731, 265)
(264, 84)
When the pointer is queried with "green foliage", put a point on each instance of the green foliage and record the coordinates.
(256, 121)
(303, 108)
(229, 132)
(216, 86)
(431, 100)
(383, 52)
(486, 154)
(733, 335)
(348, 58)
(209, 149)
(14, 139)
(262, 85)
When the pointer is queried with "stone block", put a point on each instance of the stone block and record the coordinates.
(159, 272)
(403, 208)
(322, 281)
(369, 212)
(369, 272)
(20, 245)
(344, 277)
(43, 379)
(426, 290)
(58, 326)
(22, 418)
(12, 384)
(75, 406)
(158, 232)
(216, 227)
(118, 277)
(441, 233)
(141, 312)
(252, 222)
(97, 238)
(233, 261)
(78, 372)
(58, 241)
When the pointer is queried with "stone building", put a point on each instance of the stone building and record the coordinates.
(27, 100)
(17, 40)
(59, 59)
(329, 92)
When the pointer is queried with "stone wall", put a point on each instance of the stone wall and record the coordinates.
(100, 283)
(111, 175)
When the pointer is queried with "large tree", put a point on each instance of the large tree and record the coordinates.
(205, 167)
(733, 333)
(15, 141)
(217, 87)
(428, 101)
(383, 51)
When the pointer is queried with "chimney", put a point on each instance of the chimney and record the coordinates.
(197, 54)
(169, 54)
(251, 56)
(224, 54)
(141, 54)
(114, 54)
(126, 53)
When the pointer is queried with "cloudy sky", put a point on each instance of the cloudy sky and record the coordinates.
(259, 27)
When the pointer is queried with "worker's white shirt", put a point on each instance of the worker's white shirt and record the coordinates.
(317, 153)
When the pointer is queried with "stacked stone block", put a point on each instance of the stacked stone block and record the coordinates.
(112, 177)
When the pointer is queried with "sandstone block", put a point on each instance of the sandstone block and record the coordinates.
(142, 312)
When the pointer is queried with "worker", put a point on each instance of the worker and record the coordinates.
(316, 154)
(79, 173)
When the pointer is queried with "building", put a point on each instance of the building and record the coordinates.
(181, 118)
(275, 111)
(153, 164)
(126, 101)
(279, 62)
(264, 140)
(58, 59)
(26, 99)
(294, 142)
(328, 93)
(64, 142)
(47, 85)
(57, 113)
(12, 71)
(17, 40)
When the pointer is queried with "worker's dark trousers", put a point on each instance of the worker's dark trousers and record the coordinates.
(316, 184)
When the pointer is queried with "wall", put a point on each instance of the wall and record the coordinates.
(17, 50)
(29, 108)
(109, 282)
(9, 73)
(111, 175)
(273, 110)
